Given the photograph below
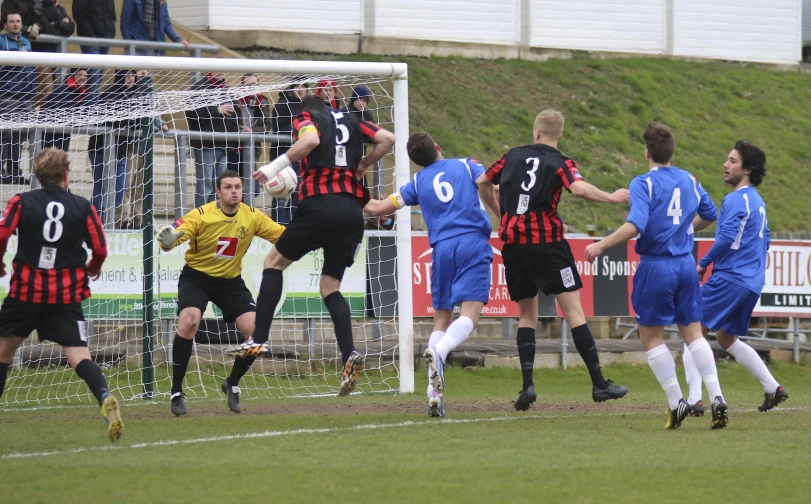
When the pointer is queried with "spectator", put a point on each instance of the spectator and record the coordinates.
(42, 17)
(148, 20)
(17, 90)
(327, 89)
(123, 88)
(68, 95)
(210, 157)
(94, 18)
(358, 105)
(287, 107)
(254, 116)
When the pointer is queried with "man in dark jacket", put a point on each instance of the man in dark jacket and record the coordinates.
(17, 90)
(210, 158)
(148, 20)
(94, 18)
(42, 17)
(287, 107)
(67, 95)
(358, 106)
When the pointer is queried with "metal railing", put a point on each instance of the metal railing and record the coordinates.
(131, 47)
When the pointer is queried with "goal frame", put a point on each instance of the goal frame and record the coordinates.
(398, 72)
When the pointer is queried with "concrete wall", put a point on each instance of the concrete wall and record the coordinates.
(489, 21)
(598, 25)
(747, 30)
(738, 30)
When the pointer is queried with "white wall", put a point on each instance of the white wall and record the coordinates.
(484, 21)
(318, 16)
(190, 13)
(747, 30)
(599, 25)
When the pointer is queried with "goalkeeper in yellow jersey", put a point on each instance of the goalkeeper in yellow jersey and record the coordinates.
(219, 233)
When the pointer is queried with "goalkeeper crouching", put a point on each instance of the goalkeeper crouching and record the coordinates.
(219, 234)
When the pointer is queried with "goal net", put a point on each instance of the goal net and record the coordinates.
(146, 138)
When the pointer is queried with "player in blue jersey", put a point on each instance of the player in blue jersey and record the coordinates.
(738, 257)
(666, 290)
(459, 233)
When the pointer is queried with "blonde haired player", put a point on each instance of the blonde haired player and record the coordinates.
(220, 233)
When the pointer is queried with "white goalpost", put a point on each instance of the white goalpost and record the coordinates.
(143, 146)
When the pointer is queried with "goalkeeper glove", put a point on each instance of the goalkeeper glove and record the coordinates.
(167, 236)
(275, 166)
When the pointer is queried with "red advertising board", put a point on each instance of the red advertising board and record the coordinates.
(608, 281)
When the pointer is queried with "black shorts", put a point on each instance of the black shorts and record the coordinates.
(195, 289)
(333, 222)
(61, 323)
(549, 268)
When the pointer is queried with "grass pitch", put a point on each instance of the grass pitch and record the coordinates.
(385, 449)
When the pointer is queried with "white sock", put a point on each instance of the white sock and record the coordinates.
(693, 378)
(456, 335)
(749, 359)
(436, 336)
(705, 363)
(664, 367)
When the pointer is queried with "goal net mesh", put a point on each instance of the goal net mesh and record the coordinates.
(127, 131)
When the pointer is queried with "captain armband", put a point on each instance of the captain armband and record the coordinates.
(398, 200)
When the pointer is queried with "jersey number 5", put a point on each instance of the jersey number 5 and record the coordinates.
(52, 227)
(674, 208)
(341, 138)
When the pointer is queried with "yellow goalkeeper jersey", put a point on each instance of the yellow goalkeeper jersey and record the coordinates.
(219, 241)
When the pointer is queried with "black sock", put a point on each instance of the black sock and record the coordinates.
(270, 292)
(526, 353)
(91, 373)
(342, 320)
(181, 353)
(3, 371)
(241, 366)
(584, 342)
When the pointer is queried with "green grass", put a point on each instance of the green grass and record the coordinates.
(480, 108)
(564, 449)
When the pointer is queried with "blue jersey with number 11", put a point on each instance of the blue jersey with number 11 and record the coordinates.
(446, 192)
(664, 202)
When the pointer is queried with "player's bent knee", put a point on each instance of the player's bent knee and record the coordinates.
(275, 260)
(188, 322)
(724, 339)
(327, 285)
(246, 323)
(75, 355)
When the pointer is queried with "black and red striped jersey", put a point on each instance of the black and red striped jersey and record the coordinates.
(50, 265)
(332, 166)
(531, 179)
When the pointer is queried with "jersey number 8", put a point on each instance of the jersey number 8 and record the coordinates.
(52, 227)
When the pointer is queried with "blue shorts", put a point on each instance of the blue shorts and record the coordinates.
(667, 291)
(727, 306)
(460, 271)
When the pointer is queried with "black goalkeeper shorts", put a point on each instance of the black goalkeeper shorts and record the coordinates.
(195, 289)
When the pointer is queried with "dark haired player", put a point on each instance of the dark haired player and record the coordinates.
(329, 145)
(738, 257)
(50, 275)
(664, 203)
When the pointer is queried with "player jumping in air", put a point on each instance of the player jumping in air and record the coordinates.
(219, 234)
(50, 275)
(536, 255)
(458, 231)
(666, 289)
(329, 216)
(738, 257)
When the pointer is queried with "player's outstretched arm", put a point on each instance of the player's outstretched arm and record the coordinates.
(307, 141)
(588, 192)
(487, 192)
(621, 235)
(734, 212)
(267, 228)
(386, 206)
(98, 243)
(384, 141)
(700, 224)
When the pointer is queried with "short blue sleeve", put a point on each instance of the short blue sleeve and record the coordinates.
(640, 203)
(409, 193)
(476, 169)
(706, 208)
